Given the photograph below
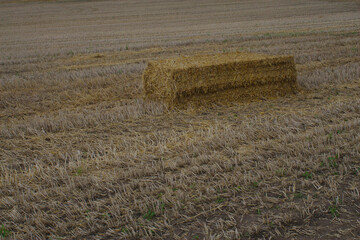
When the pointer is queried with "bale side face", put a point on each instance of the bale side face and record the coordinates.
(178, 80)
(156, 81)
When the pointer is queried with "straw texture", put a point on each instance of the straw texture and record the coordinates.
(222, 77)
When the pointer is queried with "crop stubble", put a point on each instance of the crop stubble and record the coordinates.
(83, 156)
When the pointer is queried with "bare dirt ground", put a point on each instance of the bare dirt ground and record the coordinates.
(83, 156)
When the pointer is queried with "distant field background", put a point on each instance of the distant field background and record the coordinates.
(83, 156)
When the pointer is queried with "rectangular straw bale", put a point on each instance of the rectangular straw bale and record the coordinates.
(229, 77)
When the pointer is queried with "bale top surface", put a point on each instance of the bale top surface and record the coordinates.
(214, 59)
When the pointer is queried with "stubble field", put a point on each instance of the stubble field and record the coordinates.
(83, 156)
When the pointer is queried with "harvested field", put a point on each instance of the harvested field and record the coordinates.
(228, 77)
(84, 156)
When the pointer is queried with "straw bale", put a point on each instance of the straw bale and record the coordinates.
(221, 77)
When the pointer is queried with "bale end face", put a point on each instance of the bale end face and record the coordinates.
(219, 78)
